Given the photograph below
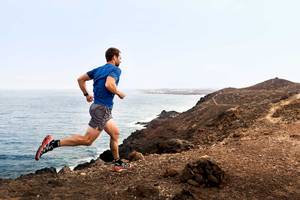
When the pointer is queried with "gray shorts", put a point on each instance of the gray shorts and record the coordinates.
(100, 114)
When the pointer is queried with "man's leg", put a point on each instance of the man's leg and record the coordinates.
(90, 136)
(49, 143)
(113, 131)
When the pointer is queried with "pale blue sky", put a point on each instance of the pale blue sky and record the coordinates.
(165, 43)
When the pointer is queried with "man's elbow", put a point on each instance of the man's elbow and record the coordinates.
(108, 86)
(80, 79)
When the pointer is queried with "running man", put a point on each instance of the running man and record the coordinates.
(106, 79)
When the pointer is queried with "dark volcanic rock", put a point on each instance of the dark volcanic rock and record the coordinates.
(161, 146)
(134, 156)
(174, 146)
(46, 170)
(84, 165)
(65, 170)
(50, 170)
(167, 114)
(203, 171)
(142, 123)
(88, 164)
(214, 118)
(26, 176)
(107, 156)
(163, 115)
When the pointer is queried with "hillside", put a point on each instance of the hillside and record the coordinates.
(251, 133)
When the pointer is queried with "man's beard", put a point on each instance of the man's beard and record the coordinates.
(117, 64)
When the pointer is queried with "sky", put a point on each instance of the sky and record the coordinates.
(165, 43)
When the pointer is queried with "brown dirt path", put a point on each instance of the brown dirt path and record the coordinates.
(279, 105)
(261, 164)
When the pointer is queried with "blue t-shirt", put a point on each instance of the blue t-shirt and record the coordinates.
(101, 94)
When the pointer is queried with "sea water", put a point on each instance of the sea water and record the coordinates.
(26, 116)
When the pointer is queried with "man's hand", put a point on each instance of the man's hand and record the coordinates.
(89, 98)
(121, 94)
(110, 84)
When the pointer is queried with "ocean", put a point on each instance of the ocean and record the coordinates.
(26, 116)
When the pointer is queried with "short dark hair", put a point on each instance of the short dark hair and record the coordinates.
(111, 52)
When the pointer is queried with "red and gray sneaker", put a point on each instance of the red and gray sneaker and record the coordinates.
(45, 147)
(119, 166)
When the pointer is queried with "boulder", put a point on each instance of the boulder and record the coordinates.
(47, 170)
(88, 164)
(106, 156)
(203, 171)
(134, 156)
(173, 146)
(65, 170)
(167, 114)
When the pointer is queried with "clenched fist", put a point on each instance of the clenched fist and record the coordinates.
(121, 95)
(89, 98)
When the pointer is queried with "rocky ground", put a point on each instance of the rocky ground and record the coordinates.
(233, 144)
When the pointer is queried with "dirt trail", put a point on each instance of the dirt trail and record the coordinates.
(264, 167)
(214, 101)
(279, 105)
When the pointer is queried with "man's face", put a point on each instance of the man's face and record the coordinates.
(117, 60)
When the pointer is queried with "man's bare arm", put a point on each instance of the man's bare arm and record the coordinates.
(110, 84)
(81, 82)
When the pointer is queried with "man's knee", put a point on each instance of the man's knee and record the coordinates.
(91, 136)
(88, 140)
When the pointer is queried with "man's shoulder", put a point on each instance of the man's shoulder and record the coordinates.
(113, 68)
(118, 69)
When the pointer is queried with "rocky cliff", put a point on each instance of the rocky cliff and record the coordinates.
(233, 144)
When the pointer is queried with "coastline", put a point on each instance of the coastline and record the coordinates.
(174, 91)
(73, 118)
(248, 135)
